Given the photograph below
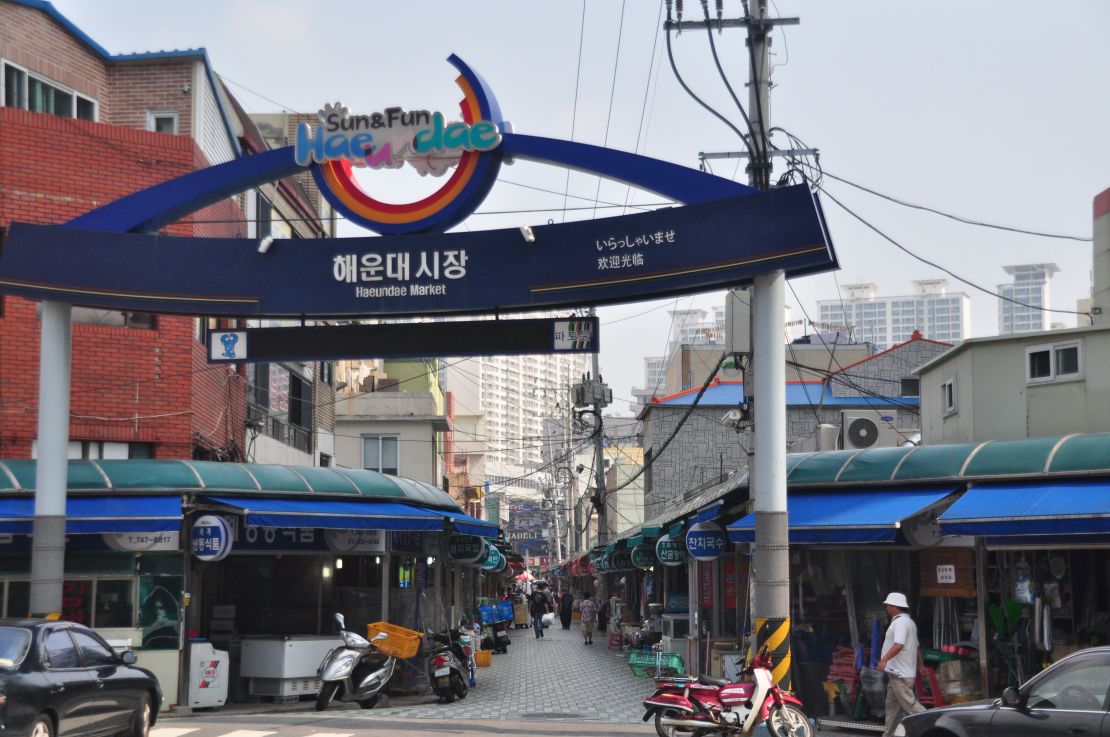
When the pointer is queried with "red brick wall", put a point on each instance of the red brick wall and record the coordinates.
(31, 39)
(136, 87)
(129, 385)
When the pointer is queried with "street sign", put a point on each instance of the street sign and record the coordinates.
(210, 538)
(408, 340)
(642, 556)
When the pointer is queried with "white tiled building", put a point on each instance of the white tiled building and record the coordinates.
(1030, 287)
(932, 310)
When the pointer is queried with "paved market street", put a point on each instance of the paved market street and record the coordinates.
(554, 678)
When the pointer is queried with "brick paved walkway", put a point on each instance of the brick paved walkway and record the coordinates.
(554, 678)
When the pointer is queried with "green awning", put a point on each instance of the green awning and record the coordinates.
(1081, 453)
(634, 541)
(873, 464)
(1011, 456)
(676, 529)
(649, 532)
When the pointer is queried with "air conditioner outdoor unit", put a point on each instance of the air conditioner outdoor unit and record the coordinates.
(868, 428)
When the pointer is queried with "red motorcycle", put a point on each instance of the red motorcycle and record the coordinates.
(714, 706)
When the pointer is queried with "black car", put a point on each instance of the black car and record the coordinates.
(1069, 698)
(59, 679)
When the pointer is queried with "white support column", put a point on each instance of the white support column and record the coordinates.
(48, 545)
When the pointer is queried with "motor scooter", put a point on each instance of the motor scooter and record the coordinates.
(448, 665)
(358, 671)
(714, 706)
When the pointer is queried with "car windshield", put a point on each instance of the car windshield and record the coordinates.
(14, 643)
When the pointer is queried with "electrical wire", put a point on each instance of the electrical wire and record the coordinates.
(612, 93)
(957, 218)
(728, 85)
(951, 273)
(695, 98)
(647, 90)
(574, 113)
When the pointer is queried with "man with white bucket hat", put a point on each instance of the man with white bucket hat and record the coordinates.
(899, 661)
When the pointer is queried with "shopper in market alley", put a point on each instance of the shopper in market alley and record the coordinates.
(566, 608)
(587, 608)
(540, 603)
(899, 661)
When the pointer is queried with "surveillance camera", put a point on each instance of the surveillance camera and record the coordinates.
(526, 231)
(265, 243)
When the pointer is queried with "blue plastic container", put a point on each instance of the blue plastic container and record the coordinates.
(504, 610)
(487, 614)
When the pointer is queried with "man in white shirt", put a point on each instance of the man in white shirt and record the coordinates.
(899, 661)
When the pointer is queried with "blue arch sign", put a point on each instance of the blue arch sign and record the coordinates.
(725, 234)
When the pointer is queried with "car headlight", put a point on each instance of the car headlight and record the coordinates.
(355, 641)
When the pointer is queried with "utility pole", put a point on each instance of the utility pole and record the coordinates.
(593, 392)
(771, 556)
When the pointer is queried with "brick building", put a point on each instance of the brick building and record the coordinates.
(80, 127)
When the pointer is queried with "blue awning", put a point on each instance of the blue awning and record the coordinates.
(709, 513)
(351, 515)
(467, 525)
(863, 516)
(1066, 507)
(98, 514)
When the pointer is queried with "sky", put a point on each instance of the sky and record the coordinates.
(996, 113)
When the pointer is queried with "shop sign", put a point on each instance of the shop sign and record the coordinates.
(143, 541)
(602, 564)
(705, 541)
(211, 538)
(728, 572)
(494, 560)
(405, 542)
(678, 603)
(705, 575)
(670, 552)
(466, 548)
(621, 560)
(276, 539)
(642, 556)
(355, 541)
(946, 574)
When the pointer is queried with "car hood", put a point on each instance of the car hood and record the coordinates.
(969, 706)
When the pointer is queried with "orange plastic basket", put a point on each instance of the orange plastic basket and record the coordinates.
(400, 643)
(483, 658)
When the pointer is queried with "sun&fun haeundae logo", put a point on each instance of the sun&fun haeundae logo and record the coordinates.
(426, 140)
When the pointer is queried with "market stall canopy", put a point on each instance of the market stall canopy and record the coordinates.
(98, 514)
(1029, 510)
(862, 516)
(173, 476)
(332, 514)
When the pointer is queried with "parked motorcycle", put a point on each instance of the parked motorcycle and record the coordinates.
(449, 665)
(358, 671)
(706, 705)
(501, 639)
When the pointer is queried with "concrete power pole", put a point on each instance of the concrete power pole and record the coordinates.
(771, 558)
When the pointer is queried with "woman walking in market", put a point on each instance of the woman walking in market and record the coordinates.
(587, 608)
(566, 607)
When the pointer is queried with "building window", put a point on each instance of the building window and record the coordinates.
(380, 453)
(29, 92)
(948, 397)
(162, 121)
(911, 387)
(1053, 362)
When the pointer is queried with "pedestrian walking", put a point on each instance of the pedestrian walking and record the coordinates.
(587, 608)
(900, 659)
(540, 603)
(566, 608)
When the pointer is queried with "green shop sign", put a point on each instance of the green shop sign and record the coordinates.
(643, 556)
(670, 552)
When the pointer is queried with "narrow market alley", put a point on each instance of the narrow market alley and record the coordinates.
(554, 678)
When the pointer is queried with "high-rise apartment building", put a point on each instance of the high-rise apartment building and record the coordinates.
(515, 394)
(932, 310)
(1030, 289)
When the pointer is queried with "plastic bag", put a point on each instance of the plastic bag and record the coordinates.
(549, 619)
(873, 684)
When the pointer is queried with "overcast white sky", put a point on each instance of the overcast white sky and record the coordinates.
(992, 110)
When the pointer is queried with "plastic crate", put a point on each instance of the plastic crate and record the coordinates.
(400, 643)
(483, 658)
(651, 665)
(938, 656)
(504, 610)
(487, 613)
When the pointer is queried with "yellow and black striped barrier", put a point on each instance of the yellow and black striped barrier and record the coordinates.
(773, 633)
